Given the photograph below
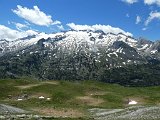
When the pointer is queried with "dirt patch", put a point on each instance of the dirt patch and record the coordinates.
(88, 100)
(50, 82)
(28, 86)
(99, 93)
(59, 112)
(35, 85)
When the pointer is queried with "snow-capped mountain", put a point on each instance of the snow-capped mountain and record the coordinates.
(114, 45)
(116, 50)
(18, 44)
(82, 55)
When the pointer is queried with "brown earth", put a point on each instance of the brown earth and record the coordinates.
(34, 85)
(90, 100)
(60, 112)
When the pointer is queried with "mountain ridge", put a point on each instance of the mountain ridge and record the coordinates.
(77, 55)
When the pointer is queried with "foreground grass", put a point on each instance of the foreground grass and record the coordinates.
(75, 96)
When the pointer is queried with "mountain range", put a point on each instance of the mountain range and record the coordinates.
(82, 55)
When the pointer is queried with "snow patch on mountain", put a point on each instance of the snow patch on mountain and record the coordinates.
(120, 46)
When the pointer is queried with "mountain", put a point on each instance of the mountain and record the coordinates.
(80, 55)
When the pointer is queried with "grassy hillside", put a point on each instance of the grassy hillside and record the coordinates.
(73, 99)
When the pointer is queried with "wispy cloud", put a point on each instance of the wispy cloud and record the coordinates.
(138, 19)
(35, 16)
(60, 27)
(20, 26)
(152, 16)
(127, 15)
(130, 1)
(144, 29)
(150, 2)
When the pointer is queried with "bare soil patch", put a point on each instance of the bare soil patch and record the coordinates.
(90, 100)
(34, 85)
(65, 112)
(99, 93)
(28, 86)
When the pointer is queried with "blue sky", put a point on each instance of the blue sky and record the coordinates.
(138, 17)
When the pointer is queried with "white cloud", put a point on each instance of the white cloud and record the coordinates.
(11, 34)
(104, 28)
(60, 27)
(20, 26)
(150, 2)
(138, 19)
(56, 22)
(35, 16)
(152, 16)
(9, 22)
(27, 23)
(127, 15)
(144, 29)
(130, 1)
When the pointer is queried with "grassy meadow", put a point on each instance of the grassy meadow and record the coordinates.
(72, 99)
